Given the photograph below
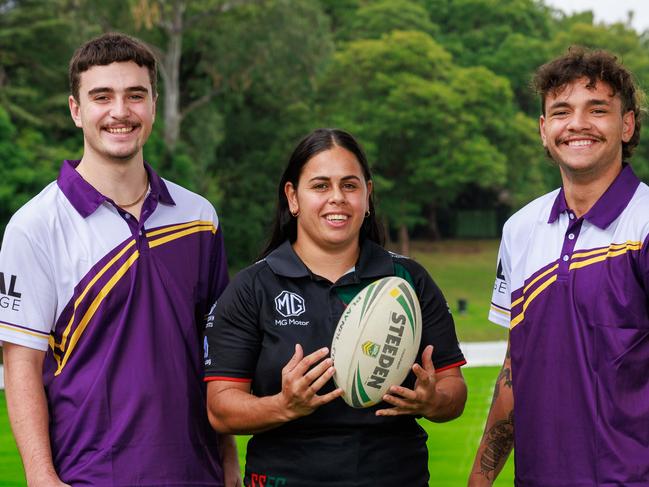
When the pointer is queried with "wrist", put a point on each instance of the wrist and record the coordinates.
(281, 408)
(43, 478)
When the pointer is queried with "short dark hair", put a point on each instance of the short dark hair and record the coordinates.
(320, 140)
(112, 47)
(594, 65)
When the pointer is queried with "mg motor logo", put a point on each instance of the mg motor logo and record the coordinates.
(289, 304)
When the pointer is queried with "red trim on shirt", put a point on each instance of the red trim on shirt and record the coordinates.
(229, 379)
(446, 367)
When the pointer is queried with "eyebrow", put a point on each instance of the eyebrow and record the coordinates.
(590, 103)
(105, 89)
(327, 178)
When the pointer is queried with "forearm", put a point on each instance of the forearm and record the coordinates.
(234, 411)
(498, 438)
(229, 460)
(450, 398)
(28, 414)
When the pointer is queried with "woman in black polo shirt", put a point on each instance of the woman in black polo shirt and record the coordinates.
(267, 339)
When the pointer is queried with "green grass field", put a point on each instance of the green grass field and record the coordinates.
(464, 269)
(451, 445)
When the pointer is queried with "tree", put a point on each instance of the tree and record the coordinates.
(267, 108)
(431, 127)
(374, 19)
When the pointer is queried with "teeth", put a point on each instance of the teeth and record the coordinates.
(336, 218)
(579, 143)
(119, 130)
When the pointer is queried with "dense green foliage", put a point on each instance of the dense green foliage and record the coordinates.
(436, 90)
(451, 445)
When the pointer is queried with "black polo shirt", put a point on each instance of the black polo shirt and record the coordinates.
(251, 335)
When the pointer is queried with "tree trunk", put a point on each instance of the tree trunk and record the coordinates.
(433, 227)
(404, 240)
(170, 72)
(386, 231)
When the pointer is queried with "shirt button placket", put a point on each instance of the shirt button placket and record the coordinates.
(569, 241)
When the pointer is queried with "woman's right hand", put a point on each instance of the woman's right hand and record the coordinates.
(302, 379)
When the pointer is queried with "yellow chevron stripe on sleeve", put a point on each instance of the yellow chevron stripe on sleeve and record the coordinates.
(20, 330)
(501, 311)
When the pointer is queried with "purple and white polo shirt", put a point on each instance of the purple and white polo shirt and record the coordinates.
(119, 306)
(574, 293)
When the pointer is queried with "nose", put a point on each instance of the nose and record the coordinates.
(119, 109)
(579, 121)
(337, 195)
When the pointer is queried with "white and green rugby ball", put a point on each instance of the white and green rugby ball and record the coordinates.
(376, 341)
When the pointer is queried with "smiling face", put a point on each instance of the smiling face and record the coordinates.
(330, 200)
(583, 129)
(115, 110)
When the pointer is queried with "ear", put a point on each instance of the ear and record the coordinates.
(291, 195)
(75, 111)
(370, 187)
(628, 126)
(155, 104)
(544, 138)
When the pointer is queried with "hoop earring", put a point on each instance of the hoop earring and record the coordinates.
(294, 214)
(367, 213)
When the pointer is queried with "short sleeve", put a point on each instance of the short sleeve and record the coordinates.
(438, 327)
(499, 311)
(644, 264)
(27, 291)
(218, 264)
(232, 334)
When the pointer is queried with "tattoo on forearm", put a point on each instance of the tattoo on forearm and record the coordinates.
(499, 441)
(505, 377)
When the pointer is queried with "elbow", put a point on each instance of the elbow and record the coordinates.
(218, 422)
(458, 409)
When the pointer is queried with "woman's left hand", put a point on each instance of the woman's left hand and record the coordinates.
(438, 396)
(422, 399)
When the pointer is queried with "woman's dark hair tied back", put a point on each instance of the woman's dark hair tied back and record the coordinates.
(320, 140)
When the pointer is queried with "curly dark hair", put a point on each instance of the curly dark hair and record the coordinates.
(595, 65)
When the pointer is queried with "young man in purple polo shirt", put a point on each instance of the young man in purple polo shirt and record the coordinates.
(111, 271)
(573, 287)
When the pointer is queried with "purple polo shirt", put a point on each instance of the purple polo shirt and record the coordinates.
(574, 293)
(119, 304)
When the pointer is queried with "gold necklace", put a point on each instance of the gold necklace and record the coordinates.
(139, 198)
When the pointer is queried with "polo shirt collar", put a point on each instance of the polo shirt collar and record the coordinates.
(283, 261)
(374, 261)
(609, 206)
(86, 199)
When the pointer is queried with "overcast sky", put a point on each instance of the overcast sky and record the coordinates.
(608, 11)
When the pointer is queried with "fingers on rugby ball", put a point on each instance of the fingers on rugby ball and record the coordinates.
(376, 341)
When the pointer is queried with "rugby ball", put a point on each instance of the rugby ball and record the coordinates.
(376, 341)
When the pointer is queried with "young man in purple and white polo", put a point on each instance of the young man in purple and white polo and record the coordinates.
(573, 288)
(111, 271)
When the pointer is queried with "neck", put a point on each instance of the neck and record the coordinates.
(332, 263)
(583, 190)
(123, 181)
